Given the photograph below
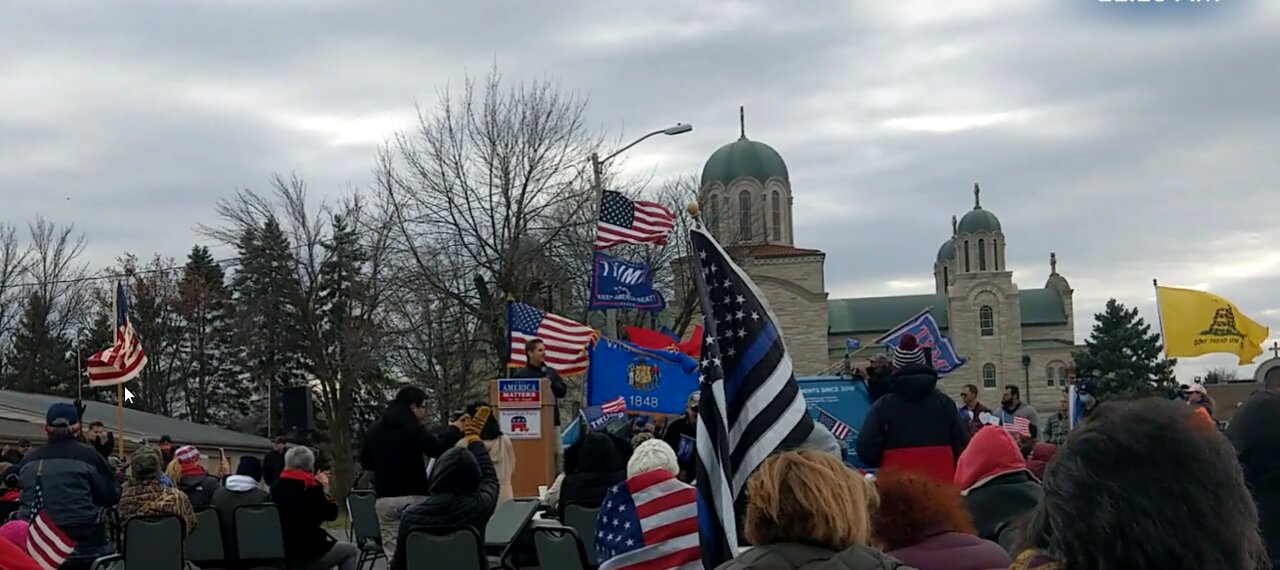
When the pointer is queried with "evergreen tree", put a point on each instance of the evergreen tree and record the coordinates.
(268, 351)
(100, 334)
(203, 304)
(39, 359)
(1125, 356)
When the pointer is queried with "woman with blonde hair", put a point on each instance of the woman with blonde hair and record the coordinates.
(807, 510)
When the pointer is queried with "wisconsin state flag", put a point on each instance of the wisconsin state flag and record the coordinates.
(1197, 323)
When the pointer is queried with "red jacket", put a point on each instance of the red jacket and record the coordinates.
(914, 428)
(13, 558)
(991, 453)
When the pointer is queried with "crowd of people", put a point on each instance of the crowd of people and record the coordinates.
(1134, 484)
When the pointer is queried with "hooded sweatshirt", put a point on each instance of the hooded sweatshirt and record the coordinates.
(914, 428)
(463, 491)
(236, 491)
(395, 450)
(994, 478)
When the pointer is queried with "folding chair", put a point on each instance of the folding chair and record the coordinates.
(149, 543)
(204, 544)
(364, 530)
(452, 547)
(508, 521)
(259, 539)
(559, 548)
(582, 520)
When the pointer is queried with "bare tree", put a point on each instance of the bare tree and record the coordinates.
(491, 183)
(13, 261)
(58, 275)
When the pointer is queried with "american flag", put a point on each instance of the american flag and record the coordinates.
(751, 405)
(565, 340)
(623, 220)
(46, 543)
(838, 428)
(125, 359)
(615, 406)
(1020, 426)
(648, 522)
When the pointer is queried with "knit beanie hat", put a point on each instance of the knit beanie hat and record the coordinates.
(187, 455)
(907, 352)
(251, 467)
(15, 531)
(650, 455)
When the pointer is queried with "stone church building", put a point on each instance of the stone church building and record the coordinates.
(1009, 335)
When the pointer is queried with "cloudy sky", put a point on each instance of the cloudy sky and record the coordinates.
(1138, 141)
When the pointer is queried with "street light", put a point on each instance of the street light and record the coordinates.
(597, 171)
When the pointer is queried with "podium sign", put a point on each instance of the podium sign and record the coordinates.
(526, 415)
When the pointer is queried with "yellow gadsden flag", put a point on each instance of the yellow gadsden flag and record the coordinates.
(1197, 323)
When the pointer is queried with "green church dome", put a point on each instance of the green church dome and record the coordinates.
(978, 220)
(948, 250)
(744, 158)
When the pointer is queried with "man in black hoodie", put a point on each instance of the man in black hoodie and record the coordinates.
(915, 427)
(463, 491)
(395, 450)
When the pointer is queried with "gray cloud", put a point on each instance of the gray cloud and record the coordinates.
(1136, 141)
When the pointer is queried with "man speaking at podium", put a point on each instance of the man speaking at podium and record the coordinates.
(536, 367)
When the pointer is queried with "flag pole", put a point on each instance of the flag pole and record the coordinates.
(120, 416)
(1164, 348)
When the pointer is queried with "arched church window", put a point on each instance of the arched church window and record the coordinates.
(966, 256)
(1049, 374)
(988, 375)
(982, 255)
(986, 321)
(995, 254)
(714, 216)
(744, 216)
(777, 216)
(1062, 375)
(946, 280)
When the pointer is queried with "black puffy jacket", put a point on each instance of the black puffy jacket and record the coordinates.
(914, 428)
(395, 450)
(199, 488)
(592, 465)
(463, 491)
(1256, 437)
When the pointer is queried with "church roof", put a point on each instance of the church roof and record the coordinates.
(879, 314)
(978, 220)
(744, 158)
(770, 250)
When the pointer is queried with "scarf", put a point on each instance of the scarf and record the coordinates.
(307, 478)
(193, 470)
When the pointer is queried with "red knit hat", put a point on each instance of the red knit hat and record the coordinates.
(187, 455)
(907, 352)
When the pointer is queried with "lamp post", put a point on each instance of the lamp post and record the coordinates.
(597, 172)
(1026, 374)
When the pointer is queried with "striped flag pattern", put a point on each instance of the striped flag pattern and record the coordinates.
(124, 360)
(565, 340)
(623, 220)
(46, 543)
(751, 405)
(838, 428)
(648, 522)
(615, 406)
(1019, 426)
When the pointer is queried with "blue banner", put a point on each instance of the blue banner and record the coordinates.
(925, 329)
(843, 398)
(657, 381)
(621, 284)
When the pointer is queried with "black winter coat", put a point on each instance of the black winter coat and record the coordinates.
(302, 510)
(1001, 500)
(914, 428)
(463, 492)
(1256, 437)
(395, 450)
(76, 482)
(558, 388)
(272, 465)
(199, 488)
(592, 466)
